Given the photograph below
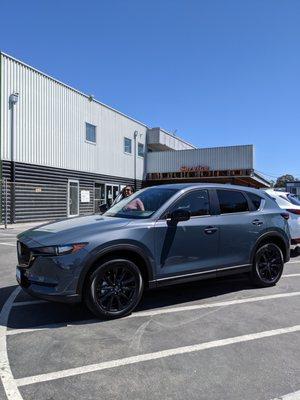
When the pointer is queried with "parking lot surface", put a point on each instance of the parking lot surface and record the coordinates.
(217, 339)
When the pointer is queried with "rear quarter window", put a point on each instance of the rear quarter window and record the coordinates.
(255, 200)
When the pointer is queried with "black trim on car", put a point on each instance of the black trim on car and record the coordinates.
(195, 276)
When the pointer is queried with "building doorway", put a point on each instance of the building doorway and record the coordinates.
(73, 198)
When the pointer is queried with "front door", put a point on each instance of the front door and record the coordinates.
(112, 192)
(73, 198)
(190, 246)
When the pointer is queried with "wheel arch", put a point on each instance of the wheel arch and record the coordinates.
(276, 238)
(133, 252)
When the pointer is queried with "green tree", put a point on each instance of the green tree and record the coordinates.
(281, 181)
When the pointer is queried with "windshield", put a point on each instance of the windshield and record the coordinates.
(142, 204)
(293, 199)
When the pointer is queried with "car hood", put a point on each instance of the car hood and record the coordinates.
(67, 230)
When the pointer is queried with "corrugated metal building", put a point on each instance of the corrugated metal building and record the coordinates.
(63, 153)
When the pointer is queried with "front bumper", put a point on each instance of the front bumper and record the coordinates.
(52, 278)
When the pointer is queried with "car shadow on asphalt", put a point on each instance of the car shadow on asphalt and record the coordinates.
(59, 315)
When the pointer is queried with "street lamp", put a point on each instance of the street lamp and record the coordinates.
(13, 100)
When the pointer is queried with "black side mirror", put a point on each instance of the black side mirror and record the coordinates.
(103, 208)
(179, 215)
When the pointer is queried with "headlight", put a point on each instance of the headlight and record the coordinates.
(58, 250)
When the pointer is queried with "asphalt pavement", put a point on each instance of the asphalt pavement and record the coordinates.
(212, 340)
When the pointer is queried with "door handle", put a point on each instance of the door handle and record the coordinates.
(210, 230)
(257, 222)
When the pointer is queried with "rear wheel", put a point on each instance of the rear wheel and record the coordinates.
(267, 266)
(114, 289)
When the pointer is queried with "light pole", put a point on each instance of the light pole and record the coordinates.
(135, 136)
(13, 99)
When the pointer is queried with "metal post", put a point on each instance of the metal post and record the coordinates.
(5, 203)
(135, 136)
(13, 99)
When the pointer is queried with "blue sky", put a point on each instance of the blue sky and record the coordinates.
(219, 72)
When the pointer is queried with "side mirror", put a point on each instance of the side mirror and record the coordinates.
(103, 208)
(179, 215)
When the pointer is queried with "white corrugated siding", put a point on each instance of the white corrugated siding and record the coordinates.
(50, 125)
(216, 158)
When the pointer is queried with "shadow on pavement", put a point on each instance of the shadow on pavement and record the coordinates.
(37, 315)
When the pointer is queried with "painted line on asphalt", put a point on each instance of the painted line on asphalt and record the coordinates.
(290, 396)
(289, 275)
(160, 311)
(51, 376)
(293, 262)
(8, 381)
(8, 244)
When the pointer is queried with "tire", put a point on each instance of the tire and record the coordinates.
(267, 265)
(114, 289)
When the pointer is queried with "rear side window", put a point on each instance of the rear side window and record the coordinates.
(196, 202)
(255, 199)
(232, 201)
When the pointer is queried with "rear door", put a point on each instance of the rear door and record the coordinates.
(190, 246)
(240, 224)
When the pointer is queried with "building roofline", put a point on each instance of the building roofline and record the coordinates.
(203, 148)
(70, 87)
(175, 137)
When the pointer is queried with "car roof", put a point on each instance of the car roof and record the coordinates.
(277, 192)
(183, 186)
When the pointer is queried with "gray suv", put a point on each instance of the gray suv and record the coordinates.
(159, 236)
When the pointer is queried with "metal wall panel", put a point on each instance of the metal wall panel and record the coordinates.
(40, 192)
(216, 158)
(50, 122)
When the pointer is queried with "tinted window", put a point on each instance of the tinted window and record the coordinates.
(141, 204)
(196, 202)
(255, 199)
(232, 201)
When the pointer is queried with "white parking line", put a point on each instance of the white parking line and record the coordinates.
(8, 244)
(152, 356)
(290, 275)
(290, 396)
(9, 384)
(159, 311)
(293, 262)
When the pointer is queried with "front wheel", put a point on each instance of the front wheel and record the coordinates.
(267, 265)
(114, 289)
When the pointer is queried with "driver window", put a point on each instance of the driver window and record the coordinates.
(196, 202)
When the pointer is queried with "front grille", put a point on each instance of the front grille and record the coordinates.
(24, 254)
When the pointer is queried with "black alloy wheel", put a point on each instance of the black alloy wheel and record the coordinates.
(268, 265)
(115, 288)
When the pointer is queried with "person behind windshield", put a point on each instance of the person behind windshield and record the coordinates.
(125, 192)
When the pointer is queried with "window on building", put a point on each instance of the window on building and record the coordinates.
(140, 150)
(255, 199)
(232, 201)
(90, 133)
(196, 202)
(127, 145)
